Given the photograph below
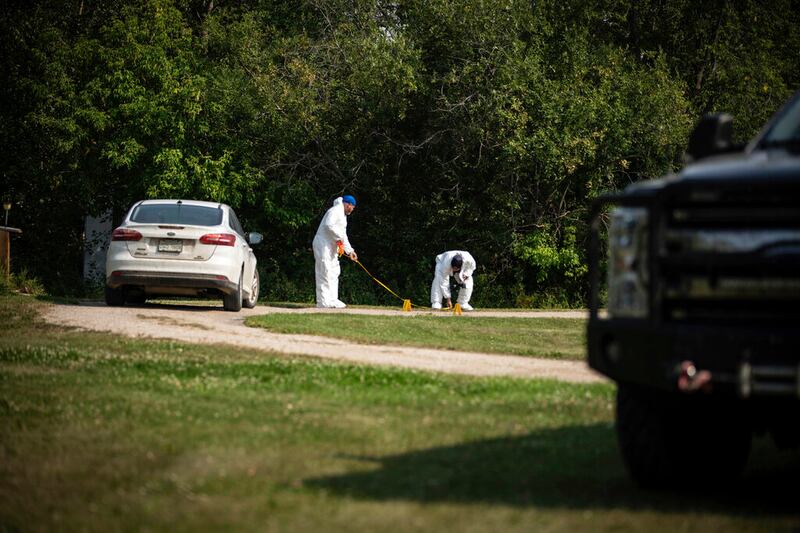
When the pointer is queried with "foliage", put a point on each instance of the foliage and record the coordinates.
(24, 283)
(554, 264)
(21, 282)
(481, 125)
(731, 56)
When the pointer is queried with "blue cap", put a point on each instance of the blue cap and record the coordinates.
(349, 200)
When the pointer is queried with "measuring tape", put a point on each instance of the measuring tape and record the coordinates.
(407, 304)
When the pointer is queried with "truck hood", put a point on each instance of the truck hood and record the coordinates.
(776, 165)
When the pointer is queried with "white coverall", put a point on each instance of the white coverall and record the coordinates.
(440, 288)
(333, 228)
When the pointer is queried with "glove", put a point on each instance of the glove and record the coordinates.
(340, 246)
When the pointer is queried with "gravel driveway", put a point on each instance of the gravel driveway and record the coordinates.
(212, 325)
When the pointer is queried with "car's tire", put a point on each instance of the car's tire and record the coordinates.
(136, 298)
(233, 301)
(115, 297)
(250, 301)
(672, 440)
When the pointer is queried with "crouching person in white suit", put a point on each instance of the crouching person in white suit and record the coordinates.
(460, 265)
(331, 235)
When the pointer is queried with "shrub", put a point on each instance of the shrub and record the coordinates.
(24, 283)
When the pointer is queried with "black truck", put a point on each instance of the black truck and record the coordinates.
(701, 330)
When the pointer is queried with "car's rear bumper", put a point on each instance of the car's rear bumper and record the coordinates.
(145, 279)
(224, 262)
(748, 361)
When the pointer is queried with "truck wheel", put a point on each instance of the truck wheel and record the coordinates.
(115, 297)
(669, 440)
(233, 301)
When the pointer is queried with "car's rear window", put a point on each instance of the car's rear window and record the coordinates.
(193, 215)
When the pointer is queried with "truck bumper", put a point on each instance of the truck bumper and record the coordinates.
(742, 361)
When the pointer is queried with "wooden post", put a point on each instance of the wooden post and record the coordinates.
(5, 249)
(5, 253)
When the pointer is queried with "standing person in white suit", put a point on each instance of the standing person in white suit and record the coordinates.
(460, 265)
(331, 235)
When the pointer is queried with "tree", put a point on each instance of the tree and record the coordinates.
(488, 125)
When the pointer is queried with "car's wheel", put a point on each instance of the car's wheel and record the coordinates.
(250, 302)
(115, 297)
(233, 301)
(136, 298)
(670, 440)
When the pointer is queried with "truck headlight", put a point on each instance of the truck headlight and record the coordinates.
(627, 264)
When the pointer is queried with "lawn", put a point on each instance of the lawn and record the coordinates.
(553, 338)
(103, 433)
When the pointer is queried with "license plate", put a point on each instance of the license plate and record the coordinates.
(170, 245)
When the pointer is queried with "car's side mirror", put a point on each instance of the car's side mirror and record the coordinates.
(254, 238)
(712, 135)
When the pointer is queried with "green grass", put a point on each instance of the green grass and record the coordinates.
(104, 433)
(554, 338)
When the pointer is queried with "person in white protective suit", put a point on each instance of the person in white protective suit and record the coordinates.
(460, 265)
(331, 235)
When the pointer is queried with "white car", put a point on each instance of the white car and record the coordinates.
(182, 248)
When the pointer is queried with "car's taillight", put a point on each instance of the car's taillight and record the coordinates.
(122, 234)
(221, 239)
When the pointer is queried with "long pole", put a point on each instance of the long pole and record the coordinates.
(5, 253)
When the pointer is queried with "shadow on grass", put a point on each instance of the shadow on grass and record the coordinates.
(64, 300)
(182, 304)
(288, 305)
(572, 467)
(177, 305)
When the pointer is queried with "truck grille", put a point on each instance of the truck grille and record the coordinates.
(730, 255)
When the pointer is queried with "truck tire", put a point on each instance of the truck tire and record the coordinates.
(670, 440)
(115, 297)
(233, 301)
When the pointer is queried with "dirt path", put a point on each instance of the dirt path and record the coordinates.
(212, 325)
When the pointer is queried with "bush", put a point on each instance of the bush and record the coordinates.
(553, 298)
(24, 283)
(557, 265)
(5, 285)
